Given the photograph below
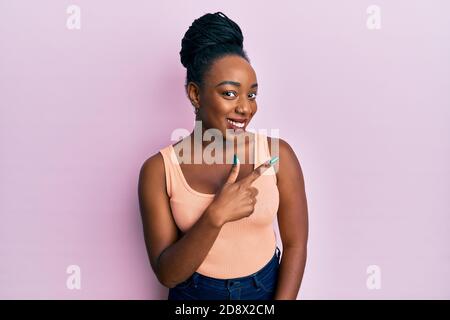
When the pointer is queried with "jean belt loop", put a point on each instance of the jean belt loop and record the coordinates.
(278, 252)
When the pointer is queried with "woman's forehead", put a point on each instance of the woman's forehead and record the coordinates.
(231, 68)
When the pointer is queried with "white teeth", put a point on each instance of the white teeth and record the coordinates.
(237, 124)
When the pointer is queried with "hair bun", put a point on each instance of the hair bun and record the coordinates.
(206, 31)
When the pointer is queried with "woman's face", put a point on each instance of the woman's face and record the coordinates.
(229, 93)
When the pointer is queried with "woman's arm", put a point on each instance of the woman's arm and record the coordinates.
(173, 259)
(292, 221)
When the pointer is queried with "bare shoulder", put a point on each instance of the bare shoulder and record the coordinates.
(288, 163)
(152, 170)
(279, 147)
(154, 163)
(279, 143)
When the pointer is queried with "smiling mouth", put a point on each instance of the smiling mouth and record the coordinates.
(236, 124)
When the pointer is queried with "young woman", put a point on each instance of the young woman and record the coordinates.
(208, 227)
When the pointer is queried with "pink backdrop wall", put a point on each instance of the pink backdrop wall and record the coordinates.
(366, 110)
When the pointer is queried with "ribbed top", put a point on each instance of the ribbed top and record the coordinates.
(243, 246)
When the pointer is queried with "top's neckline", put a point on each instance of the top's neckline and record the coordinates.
(202, 194)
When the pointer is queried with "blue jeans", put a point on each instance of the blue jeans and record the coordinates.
(260, 285)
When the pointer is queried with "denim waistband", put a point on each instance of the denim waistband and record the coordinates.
(243, 281)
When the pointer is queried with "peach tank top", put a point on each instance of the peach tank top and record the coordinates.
(242, 247)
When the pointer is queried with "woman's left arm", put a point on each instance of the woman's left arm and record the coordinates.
(292, 222)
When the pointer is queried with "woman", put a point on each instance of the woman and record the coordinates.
(208, 227)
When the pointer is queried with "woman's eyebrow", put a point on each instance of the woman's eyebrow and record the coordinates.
(234, 83)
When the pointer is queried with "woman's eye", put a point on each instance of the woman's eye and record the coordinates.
(231, 93)
(227, 92)
(254, 95)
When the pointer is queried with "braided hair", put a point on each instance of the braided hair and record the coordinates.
(210, 37)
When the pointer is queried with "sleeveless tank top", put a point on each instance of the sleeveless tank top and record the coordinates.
(243, 246)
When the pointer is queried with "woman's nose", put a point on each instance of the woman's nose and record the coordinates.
(244, 108)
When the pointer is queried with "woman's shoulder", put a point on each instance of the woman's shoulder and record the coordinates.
(156, 161)
(153, 167)
(278, 145)
(282, 149)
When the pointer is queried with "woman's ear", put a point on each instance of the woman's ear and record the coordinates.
(193, 92)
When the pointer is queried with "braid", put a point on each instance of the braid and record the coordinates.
(210, 37)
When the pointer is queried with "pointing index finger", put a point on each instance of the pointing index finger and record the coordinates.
(255, 174)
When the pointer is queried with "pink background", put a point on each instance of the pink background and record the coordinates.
(366, 111)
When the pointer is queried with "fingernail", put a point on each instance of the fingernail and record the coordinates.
(273, 160)
(235, 159)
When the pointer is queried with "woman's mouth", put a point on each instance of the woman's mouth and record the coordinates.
(236, 124)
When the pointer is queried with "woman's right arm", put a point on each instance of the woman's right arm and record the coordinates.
(173, 259)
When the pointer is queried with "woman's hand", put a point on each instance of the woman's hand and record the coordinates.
(236, 200)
